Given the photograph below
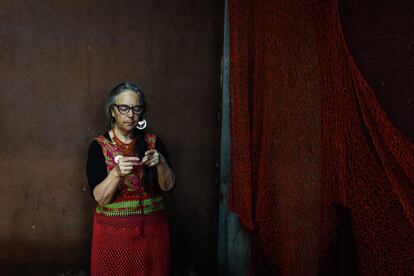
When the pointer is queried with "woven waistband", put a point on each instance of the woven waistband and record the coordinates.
(131, 207)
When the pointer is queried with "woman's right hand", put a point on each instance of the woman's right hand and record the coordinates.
(125, 165)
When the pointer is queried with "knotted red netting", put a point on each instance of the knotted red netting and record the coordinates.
(319, 176)
(132, 245)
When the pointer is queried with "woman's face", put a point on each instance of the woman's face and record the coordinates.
(126, 119)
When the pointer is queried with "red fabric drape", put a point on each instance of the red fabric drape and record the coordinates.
(319, 175)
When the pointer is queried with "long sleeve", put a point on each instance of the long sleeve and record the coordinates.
(160, 147)
(95, 166)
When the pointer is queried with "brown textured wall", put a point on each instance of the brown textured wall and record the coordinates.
(58, 61)
(380, 36)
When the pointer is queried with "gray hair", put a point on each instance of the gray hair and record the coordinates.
(110, 101)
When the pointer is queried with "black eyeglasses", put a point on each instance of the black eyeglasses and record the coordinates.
(124, 109)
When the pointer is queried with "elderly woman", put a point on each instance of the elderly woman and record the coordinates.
(127, 170)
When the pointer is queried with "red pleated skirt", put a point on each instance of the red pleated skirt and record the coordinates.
(132, 245)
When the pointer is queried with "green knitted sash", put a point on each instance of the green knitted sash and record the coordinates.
(131, 207)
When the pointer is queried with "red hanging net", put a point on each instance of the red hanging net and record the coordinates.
(320, 177)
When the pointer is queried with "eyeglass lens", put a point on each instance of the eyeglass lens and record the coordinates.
(124, 109)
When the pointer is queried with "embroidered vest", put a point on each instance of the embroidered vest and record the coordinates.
(130, 198)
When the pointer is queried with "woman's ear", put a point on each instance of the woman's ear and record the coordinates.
(112, 112)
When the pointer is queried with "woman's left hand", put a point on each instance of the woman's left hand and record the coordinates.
(152, 158)
(166, 177)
